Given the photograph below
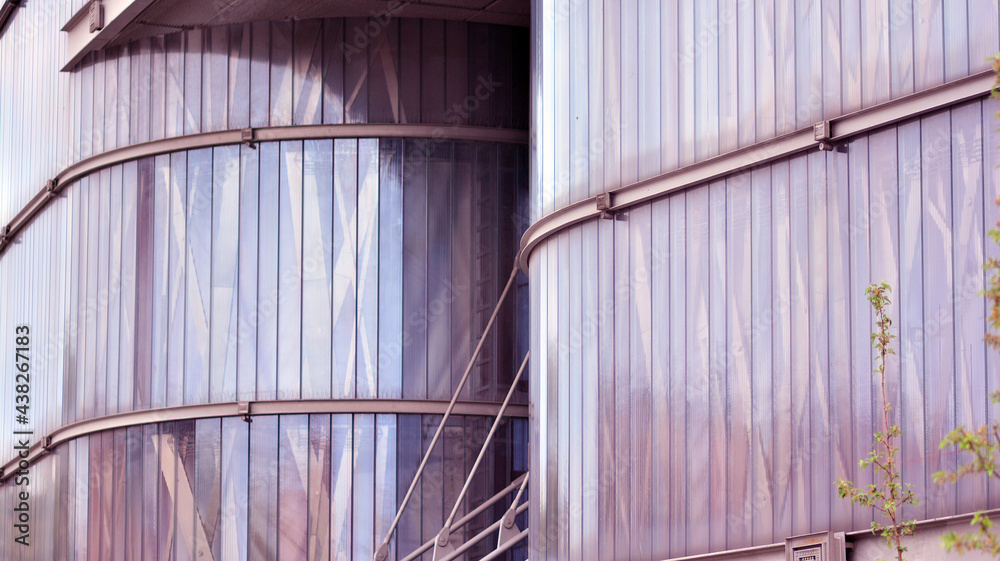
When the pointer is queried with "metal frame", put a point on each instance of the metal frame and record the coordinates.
(516, 484)
(824, 137)
(249, 409)
(442, 545)
(382, 553)
(7, 13)
(96, 162)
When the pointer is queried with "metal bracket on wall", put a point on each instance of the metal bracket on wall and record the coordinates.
(822, 133)
(248, 139)
(96, 16)
(243, 410)
(604, 205)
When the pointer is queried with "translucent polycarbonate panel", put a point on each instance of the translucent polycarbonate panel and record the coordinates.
(236, 273)
(293, 485)
(305, 486)
(749, 293)
(198, 274)
(390, 269)
(35, 142)
(264, 74)
(630, 90)
(317, 267)
(246, 348)
(289, 288)
(223, 322)
(266, 316)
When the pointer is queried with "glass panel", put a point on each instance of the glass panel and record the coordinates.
(801, 457)
(215, 111)
(260, 81)
(115, 286)
(780, 345)
(262, 497)
(738, 359)
(319, 487)
(234, 503)
(333, 71)
(110, 99)
(456, 73)
(307, 80)
(808, 63)
(765, 65)
(432, 71)
(385, 477)
(341, 484)
(439, 272)
(189, 537)
(317, 268)
(345, 201)
(247, 276)
(281, 73)
(101, 294)
(207, 488)
(97, 125)
(158, 88)
(860, 315)
(150, 491)
(197, 336)
(819, 369)
(956, 45)
(390, 270)
(910, 303)
(225, 286)
(89, 263)
(137, 510)
(410, 70)
(383, 72)
(970, 318)
(589, 364)
(289, 300)
(267, 275)
(355, 85)
(364, 487)
(763, 313)
(191, 101)
(176, 284)
(136, 185)
(239, 76)
(367, 285)
(160, 305)
(415, 264)
(293, 486)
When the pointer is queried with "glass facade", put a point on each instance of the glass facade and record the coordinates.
(701, 364)
(341, 269)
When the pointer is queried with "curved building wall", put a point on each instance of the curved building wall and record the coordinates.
(34, 106)
(289, 486)
(628, 90)
(701, 364)
(323, 268)
(304, 72)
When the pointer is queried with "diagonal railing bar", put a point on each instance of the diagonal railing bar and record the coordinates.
(382, 553)
(516, 484)
(446, 530)
(460, 550)
(506, 545)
